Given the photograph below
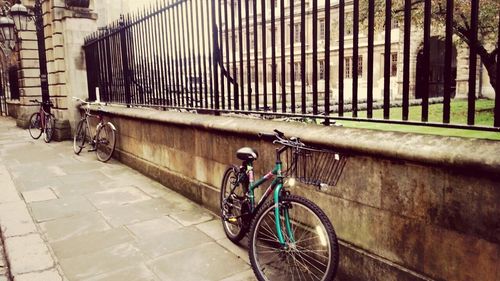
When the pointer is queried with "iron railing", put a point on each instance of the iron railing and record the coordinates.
(296, 58)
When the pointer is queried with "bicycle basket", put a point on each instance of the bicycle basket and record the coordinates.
(314, 166)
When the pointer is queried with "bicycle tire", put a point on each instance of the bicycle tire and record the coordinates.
(303, 259)
(35, 126)
(79, 137)
(105, 142)
(233, 207)
(49, 128)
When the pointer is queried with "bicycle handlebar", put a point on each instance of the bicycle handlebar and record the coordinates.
(49, 103)
(279, 137)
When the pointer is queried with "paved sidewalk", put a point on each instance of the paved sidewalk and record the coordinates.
(69, 217)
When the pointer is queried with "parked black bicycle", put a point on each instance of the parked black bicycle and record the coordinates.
(102, 142)
(42, 121)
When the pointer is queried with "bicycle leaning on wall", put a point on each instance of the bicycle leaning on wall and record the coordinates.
(290, 237)
(42, 122)
(102, 142)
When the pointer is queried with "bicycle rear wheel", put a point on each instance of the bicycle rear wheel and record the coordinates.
(49, 127)
(79, 138)
(105, 142)
(35, 125)
(233, 205)
(311, 250)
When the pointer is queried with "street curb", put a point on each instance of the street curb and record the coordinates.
(20, 234)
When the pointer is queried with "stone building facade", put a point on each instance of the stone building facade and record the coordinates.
(460, 62)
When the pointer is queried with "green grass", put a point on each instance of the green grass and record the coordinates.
(483, 117)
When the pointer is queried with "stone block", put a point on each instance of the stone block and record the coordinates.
(33, 63)
(111, 259)
(195, 264)
(28, 54)
(447, 253)
(27, 44)
(28, 35)
(60, 65)
(30, 93)
(29, 73)
(74, 226)
(18, 248)
(29, 82)
(471, 205)
(15, 219)
(39, 195)
(62, 129)
(47, 275)
(57, 40)
(58, 52)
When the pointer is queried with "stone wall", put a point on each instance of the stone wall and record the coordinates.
(408, 207)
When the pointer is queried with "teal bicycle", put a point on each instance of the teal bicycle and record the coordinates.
(290, 237)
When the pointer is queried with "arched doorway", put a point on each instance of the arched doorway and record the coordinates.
(436, 69)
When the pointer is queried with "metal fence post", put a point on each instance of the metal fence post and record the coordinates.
(123, 41)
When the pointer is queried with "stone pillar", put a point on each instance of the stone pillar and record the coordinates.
(463, 72)
(28, 75)
(65, 29)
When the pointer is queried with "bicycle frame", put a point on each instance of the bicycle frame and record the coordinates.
(276, 186)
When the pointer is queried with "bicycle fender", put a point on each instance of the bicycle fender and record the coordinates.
(112, 126)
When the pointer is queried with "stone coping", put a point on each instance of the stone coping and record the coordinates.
(472, 155)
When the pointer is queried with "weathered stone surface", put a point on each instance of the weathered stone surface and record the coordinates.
(154, 227)
(82, 244)
(39, 195)
(15, 219)
(213, 229)
(21, 247)
(137, 212)
(117, 196)
(110, 259)
(172, 241)
(65, 228)
(53, 209)
(135, 273)
(49, 275)
(191, 217)
(192, 265)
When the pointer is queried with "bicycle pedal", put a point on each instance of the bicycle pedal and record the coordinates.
(233, 219)
(92, 149)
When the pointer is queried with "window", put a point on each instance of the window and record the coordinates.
(321, 29)
(251, 40)
(347, 69)
(394, 64)
(321, 69)
(276, 3)
(296, 33)
(252, 74)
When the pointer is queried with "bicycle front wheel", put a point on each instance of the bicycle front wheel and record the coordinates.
(79, 138)
(311, 250)
(49, 128)
(105, 142)
(35, 125)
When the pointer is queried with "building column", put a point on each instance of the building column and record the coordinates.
(65, 29)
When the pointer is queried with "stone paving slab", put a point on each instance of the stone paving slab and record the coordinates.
(207, 261)
(32, 246)
(106, 221)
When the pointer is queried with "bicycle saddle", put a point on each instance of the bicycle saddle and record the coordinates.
(247, 154)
